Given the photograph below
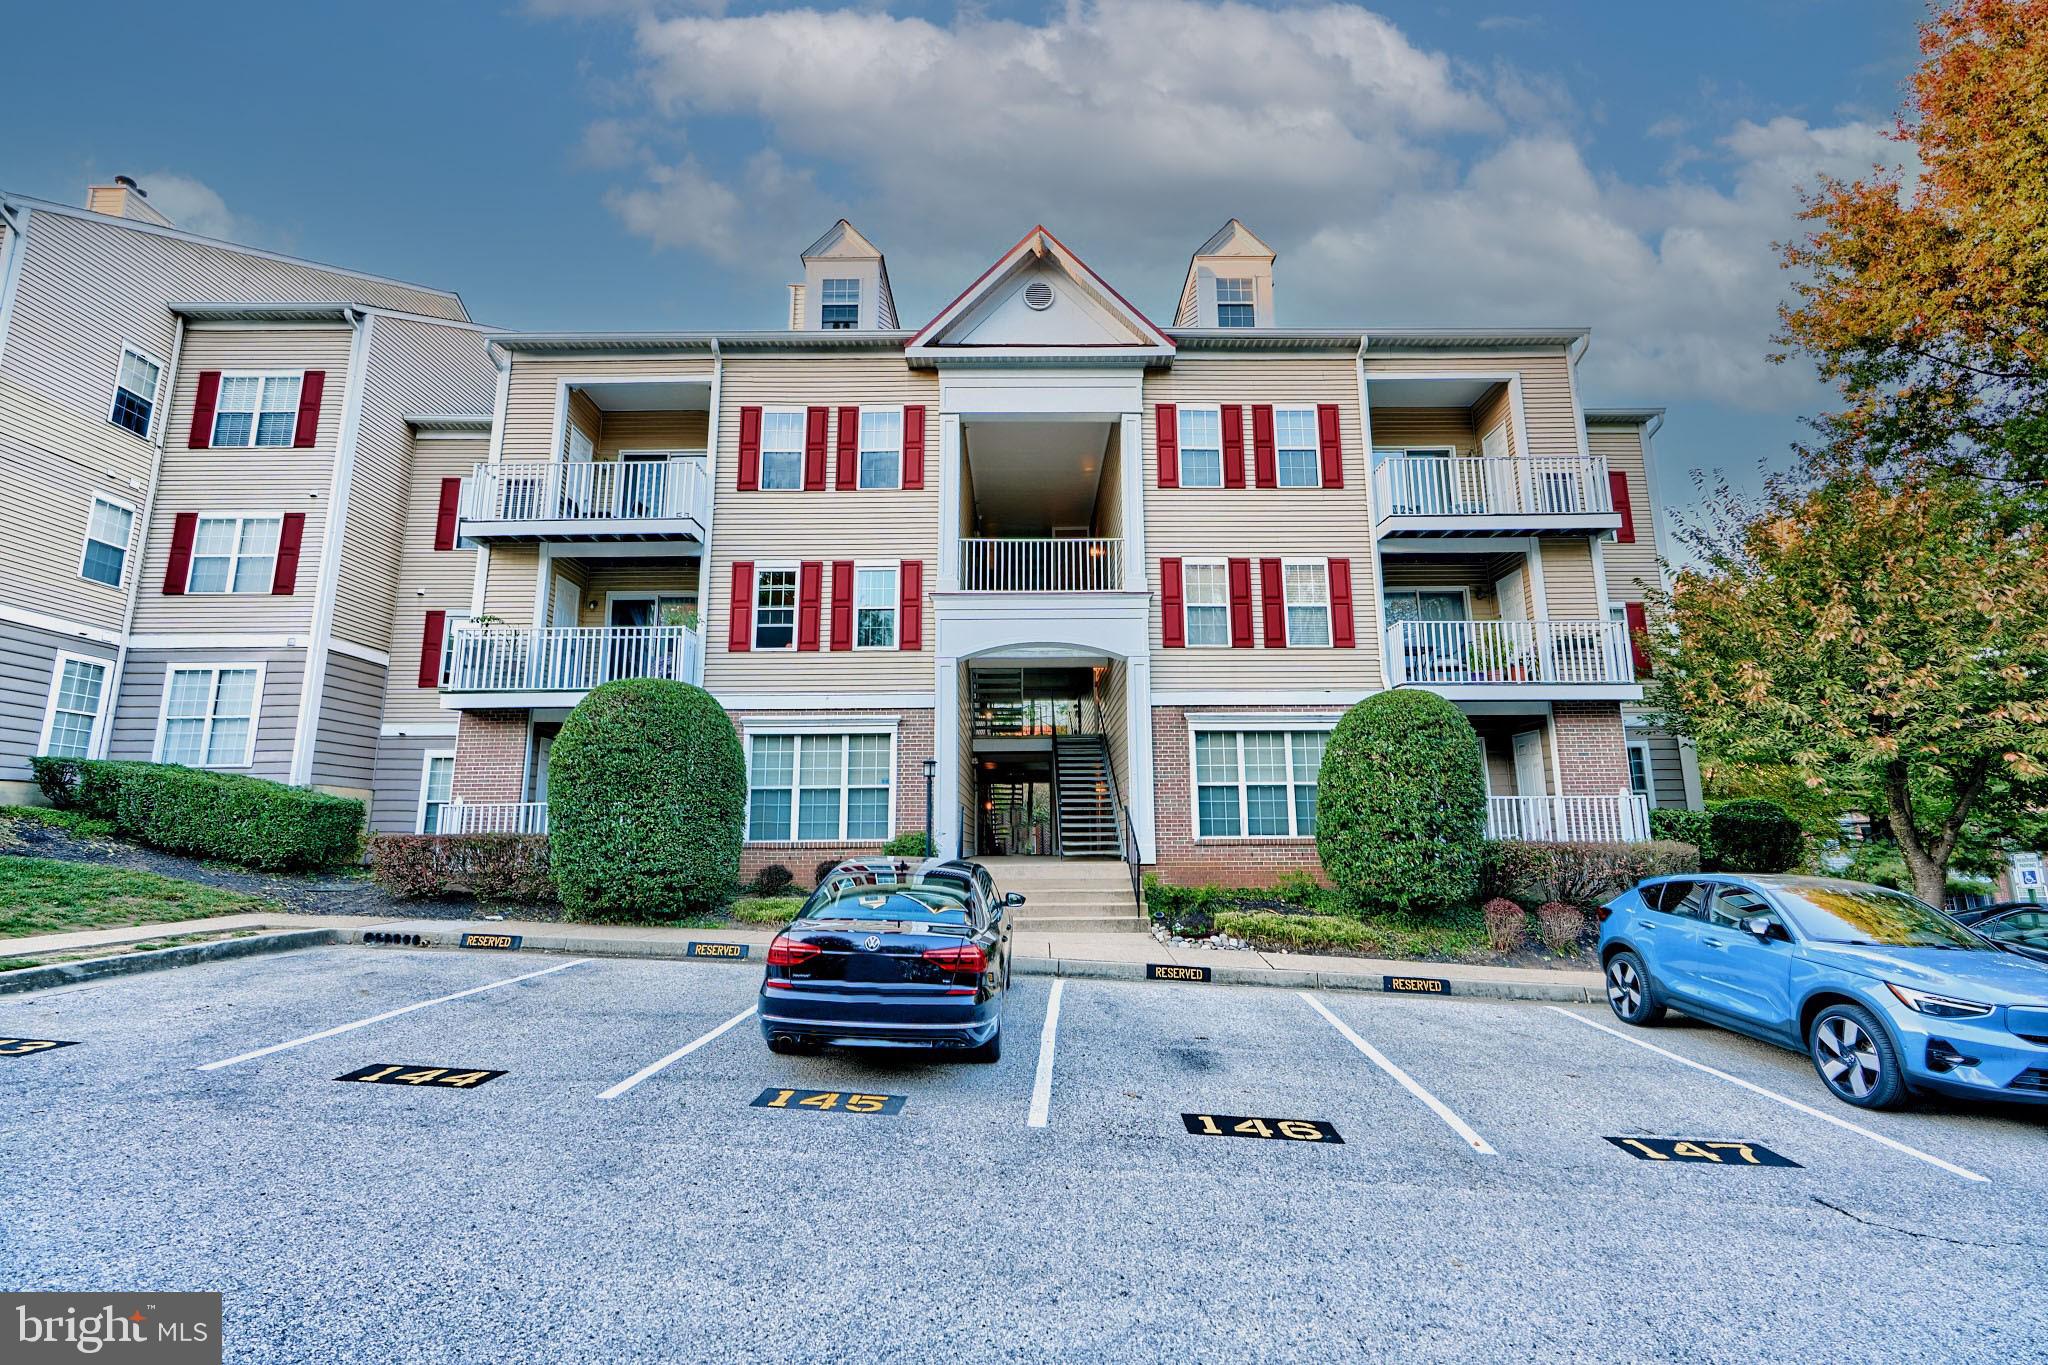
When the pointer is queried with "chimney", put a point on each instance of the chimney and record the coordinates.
(124, 199)
(796, 308)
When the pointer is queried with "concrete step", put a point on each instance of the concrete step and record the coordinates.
(1063, 913)
(1120, 924)
(1075, 895)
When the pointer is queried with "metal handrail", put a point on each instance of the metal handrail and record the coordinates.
(1490, 485)
(494, 817)
(1127, 829)
(1041, 565)
(493, 658)
(588, 490)
(1466, 653)
(1621, 818)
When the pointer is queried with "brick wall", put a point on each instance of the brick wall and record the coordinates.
(490, 756)
(1187, 861)
(1592, 755)
(913, 747)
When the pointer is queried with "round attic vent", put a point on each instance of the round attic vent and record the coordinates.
(1038, 295)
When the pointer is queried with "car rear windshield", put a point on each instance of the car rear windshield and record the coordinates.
(1871, 914)
(930, 901)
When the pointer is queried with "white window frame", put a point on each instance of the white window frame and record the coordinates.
(895, 572)
(263, 377)
(163, 710)
(796, 605)
(1180, 428)
(426, 776)
(823, 303)
(1187, 633)
(796, 778)
(860, 450)
(1315, 448)
(95, 743)
(1251, 300)
(241, 520)
(155, 399)
(1407, 589)
(1287, 606)
(1649, 791)
(802, 437)
(85, 546)
(1238, 729)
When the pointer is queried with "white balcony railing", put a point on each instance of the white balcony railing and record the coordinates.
(495, 817)
(1450, 487)
(566, 659)
(1623, 818)
(1041, 565)
(1507, 653)
(589, 491)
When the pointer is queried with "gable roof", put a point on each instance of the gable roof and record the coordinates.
(944, 337)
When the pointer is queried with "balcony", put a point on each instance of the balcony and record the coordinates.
(1477, 660)
(588, 500)
(1041, 565)
(494, 817)
(1623, 818)
(497, 666)
(1480, 495)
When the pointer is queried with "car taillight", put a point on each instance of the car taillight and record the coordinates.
(1600, 915)
(788, 952)
(968, 958)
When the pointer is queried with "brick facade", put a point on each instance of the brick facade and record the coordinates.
(490, 756)
(1187, 861)
(913, 747)
(1592, 752)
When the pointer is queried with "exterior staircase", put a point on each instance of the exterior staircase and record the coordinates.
(1062, 896)
(1090, 825)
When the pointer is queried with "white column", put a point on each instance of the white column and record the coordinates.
(1131, 446)
(1138, 744)
(949, 502)
(946, 830)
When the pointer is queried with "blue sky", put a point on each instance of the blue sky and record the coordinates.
(640, 164)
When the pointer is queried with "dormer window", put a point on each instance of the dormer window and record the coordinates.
(1234, 306)
(839, 305)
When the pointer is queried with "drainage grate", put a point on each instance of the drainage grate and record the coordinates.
(397, 940)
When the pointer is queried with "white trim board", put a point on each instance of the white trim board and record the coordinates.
(820, 701)
(36, 620)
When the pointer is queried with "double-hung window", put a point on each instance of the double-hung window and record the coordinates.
(1298, 454)
(256, 410)
(1205, 598)
(1201, 448)
(1234, 306)
(1256, 783)
(76, 688)
(782, 449)
(819, 788)
(874, 608)
(234, 554)
(437, 789)
(775, 607)
(1306, 583)
(1639, 767)
(839, 305)
(107, 531)
(135, 391)
(881, 448)
(209, 718)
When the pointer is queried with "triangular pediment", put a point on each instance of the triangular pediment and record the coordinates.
(1235, 239)
(842, 241)
(1039, 301)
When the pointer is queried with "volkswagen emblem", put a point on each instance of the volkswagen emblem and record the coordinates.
(871, 942)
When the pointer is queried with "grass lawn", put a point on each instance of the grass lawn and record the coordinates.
(46, 896)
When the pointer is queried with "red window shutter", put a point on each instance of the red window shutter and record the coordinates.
(1638, 637)
(910, 613)
(1264, 467)
(1617, 488)
(739, 628)
(183, 528)
(849, 448)
(842, 604)
(750, 449)
(444, 518)
(431, 641)
(1166, 429)
(809, 579)
(1342, 633)
(1240, 604)
(284, 577)
(1275, 603)
(1332, 444)
(1172, 614)
(1232, 417)
(913, 445)
(202, 410)
(310, 389)
(815, 420)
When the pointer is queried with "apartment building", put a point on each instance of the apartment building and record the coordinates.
(1073, 582)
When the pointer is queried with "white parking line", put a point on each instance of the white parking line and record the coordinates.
(1041, 1085)
(1785, 1100)
(1408, 1083)
(389, 1014)
(685, 1050)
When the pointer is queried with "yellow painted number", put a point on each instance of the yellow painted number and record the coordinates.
(20, 1046)
(781, 1100)
(422, 1077)
(1645, 1149)
(1209, 1125)
(1300, 1131)
(379, 1074)
(1740, 1149)
(1693, 1149)
(823, 1100)
(466, 1078)
(866, 1104)
(1256, 1126)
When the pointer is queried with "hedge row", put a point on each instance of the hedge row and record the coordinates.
(225, 816)
(1748, 835)
(491, 867)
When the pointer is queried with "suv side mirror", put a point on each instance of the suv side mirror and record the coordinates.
(1763, 926)
(1013, 898)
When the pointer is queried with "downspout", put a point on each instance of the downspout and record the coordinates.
(105, 738)
(1379, 626)
(704, 595)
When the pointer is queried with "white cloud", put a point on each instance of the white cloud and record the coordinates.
(196, 206)
(680, 206)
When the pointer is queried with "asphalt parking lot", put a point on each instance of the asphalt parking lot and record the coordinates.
(635, 1185)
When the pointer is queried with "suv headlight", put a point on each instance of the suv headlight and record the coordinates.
(1939, 1006)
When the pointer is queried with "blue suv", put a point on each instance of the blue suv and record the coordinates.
(1885, 993)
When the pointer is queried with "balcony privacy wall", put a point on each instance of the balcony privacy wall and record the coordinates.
(428, 579)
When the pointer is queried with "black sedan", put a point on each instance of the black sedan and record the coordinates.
(2020, 926)
(890, 953)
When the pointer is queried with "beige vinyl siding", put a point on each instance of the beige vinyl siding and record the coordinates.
(1394, 428)
(1546, 390)
(879, 526)
(1478, 575)
(1263, 523)
(1116, 701)
(256, 481)
(351, 712)
(1497, 409)
(1109, 487)
(428, 579)
(530, 392)
(1631, 569)
(682, 430)
(141, 702)
(52, 465)
(28, 669)
(509, 583)
(1569, 590)
(667, 577)
(412, 367)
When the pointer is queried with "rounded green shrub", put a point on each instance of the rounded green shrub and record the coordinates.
(647, 797)
(1754, 835)
(1401, 804)
(911, 845)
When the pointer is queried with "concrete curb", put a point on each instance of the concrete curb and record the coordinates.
(1287, 978)
(185, 955)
